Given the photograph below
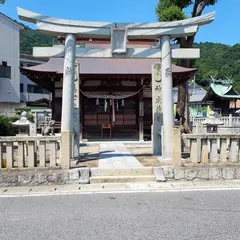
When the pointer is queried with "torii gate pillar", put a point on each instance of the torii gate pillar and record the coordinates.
(67, 100)
(167, 97)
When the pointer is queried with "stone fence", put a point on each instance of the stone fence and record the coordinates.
(227, 121)
(231, 124)
(206, 149)
(29, 152)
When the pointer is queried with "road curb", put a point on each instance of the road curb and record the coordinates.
(120, 188)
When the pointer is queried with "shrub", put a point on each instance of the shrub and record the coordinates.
(6, 128)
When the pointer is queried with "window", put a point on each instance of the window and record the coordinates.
(21, 87)
(21, 64)
(5, 70)
(36, 89)
(45, 91)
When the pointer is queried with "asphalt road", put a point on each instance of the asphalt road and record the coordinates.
(167, 215)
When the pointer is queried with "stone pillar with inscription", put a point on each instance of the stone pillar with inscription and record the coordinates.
(67, 100)
(167, 97)
(76, 113)
(157, 109)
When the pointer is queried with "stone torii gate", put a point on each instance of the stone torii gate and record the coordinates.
(119, 33)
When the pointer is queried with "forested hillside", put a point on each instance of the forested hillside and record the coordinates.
(217, 60)
(30, 38)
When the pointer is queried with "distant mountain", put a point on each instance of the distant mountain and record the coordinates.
(217, 60)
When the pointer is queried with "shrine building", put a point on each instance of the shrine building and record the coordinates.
(115, 92)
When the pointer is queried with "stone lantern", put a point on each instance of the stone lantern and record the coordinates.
(23, 125)
(212, 123)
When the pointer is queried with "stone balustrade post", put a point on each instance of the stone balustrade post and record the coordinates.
(177, 148)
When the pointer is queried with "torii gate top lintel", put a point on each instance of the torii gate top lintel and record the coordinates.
(60, 27)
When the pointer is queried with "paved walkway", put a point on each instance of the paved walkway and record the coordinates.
(116, 155)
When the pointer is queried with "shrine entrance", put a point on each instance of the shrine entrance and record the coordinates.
(119, 35)
(110, 103)
(110, 119)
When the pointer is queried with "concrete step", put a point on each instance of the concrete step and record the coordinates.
(95, 172)
(138, 145)
(122, 179)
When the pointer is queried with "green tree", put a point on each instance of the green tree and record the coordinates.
(2, 1)
(218, 60)
(30, 38)
(171, 10)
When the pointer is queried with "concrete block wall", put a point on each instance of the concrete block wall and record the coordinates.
(8, 109)
(231, 172)
(46, 176)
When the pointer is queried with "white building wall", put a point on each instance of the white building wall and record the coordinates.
(31, 97)
(9, 52)
(25, 96)
(25, 81)
(8, 109)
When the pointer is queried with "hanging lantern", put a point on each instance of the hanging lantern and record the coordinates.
(122, 102)
(105, 105)
(117, 104)
(110, 102)
(113, 112)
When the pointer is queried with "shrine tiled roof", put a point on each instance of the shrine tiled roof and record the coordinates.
(196, 93)
(222, 89)
(105, 66)
(102, 67)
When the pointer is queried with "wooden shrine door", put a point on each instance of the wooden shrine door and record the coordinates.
(99, 112)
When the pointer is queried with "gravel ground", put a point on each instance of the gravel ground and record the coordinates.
(89, 155)
(145, 157)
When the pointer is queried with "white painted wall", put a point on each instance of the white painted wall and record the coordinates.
(25, 96)
(9, 52)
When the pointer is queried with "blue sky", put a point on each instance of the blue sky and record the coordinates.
(225, 29)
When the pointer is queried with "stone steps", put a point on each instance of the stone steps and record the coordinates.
(95, 172)
(123, 175)
(122, 179)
